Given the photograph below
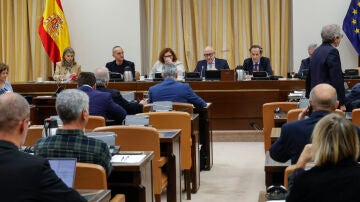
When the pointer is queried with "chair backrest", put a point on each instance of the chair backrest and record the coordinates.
(292, 114)
(34, 134)
(177, 106)
(95, 121)
(175, 120)
(90, 176)
(356, 117)
(183, 107)
(268, 118)
(140, 138)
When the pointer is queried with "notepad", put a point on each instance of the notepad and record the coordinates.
(127, 158)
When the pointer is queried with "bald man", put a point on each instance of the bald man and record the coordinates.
(118, 65)
(25, 177)
(295, 135)
(210, 62)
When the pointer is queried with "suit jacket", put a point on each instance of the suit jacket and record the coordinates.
(329, 183)
(171, 90)
(102, 104)
(130, 107)
(305, 64)
(60, 70)
(219, 64)
(25, 177)
(325, 67)
(352, 96)
(294, 136)
(264, 65)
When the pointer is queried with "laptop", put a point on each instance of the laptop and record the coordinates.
(192, 76)
(213, 75)
(108, 138)
(115, 77)
(260, 75)
(65, 169)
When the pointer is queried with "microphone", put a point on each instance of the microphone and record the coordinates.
(255, 126)
(202, 69)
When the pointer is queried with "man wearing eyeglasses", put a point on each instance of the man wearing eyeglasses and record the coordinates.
(210, 62)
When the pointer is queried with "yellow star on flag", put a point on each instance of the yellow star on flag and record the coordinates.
(357, 30)
(353, 21)
(358, 3)
(355, 12)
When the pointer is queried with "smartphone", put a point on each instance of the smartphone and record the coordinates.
(310, 109)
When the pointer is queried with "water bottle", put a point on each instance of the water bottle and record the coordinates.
(128, 74)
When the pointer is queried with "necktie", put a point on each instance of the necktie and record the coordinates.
(256, 67)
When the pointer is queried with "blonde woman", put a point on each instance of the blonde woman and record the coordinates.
(336, 174)
(67, 69)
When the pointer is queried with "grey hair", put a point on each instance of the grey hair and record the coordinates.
(115, 47)
(169, 70)
(330, 32)
(312, 46)
(102, 76)
(13, 108)
(70, 103)
(325, 103)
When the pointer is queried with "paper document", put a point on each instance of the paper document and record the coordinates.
(127, 158)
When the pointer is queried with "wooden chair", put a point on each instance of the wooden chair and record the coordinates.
(93, 176)
(268, 118)
(94, 122)
(177, 106)
(34, 134)
(356, 117)
(293, 114)
(139, 138)
(177, 120)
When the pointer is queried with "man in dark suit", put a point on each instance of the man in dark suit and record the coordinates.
(25, 177)
(257, 62)
(171, 90)
(118, 65)
(305, 63)
(325, 65)
(210, 62)
(295, 135)
(101, 103)
(102, 81)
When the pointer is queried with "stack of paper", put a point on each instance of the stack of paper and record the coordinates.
(127, 158)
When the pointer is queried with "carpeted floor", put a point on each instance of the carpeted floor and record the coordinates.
(237, 174)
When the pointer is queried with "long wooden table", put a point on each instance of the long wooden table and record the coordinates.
(234, 103)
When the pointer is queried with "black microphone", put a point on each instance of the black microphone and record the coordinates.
(255, 126)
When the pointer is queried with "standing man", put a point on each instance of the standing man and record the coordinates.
(210, 62)
(257, 62)
(325, 65)
(119, 64)
(25, 177)
(305, 63)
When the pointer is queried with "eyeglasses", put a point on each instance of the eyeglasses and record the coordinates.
(208, 54)
(167, 56)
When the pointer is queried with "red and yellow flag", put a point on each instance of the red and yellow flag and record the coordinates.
(53, 30)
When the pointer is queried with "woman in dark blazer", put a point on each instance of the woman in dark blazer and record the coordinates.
(336, 174)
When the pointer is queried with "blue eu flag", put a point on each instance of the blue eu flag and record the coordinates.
(351, 24)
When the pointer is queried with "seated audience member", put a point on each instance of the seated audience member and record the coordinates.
(305, 63)
(4, 85)
(336, 174)
(210, 62)
(67, 69)
(119, 64)
(257, 62)
(295, 135)
(351, 97)
(72, 106)
(25, 177)
(167, 56)
(171, 90)
(102, 80)
(101, 103)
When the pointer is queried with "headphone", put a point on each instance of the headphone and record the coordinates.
(256, 46)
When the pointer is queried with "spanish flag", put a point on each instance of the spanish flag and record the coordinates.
(53, 30)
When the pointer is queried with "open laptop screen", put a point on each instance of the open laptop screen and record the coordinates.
(65, 169)
(213, 75)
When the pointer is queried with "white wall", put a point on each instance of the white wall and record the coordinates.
(96, 26)
(309, 16)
